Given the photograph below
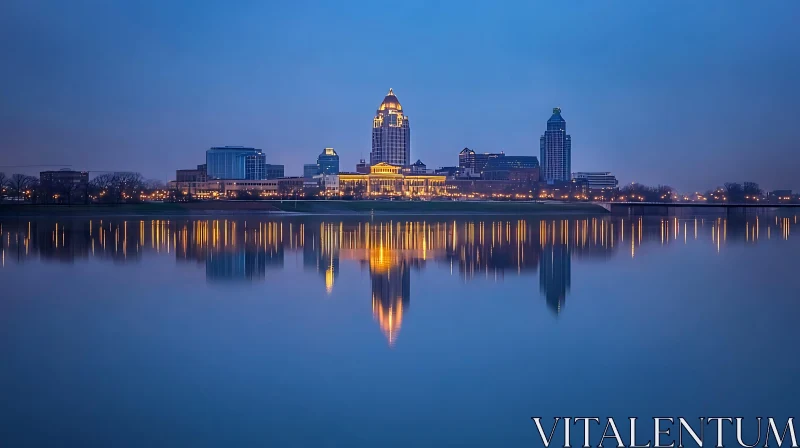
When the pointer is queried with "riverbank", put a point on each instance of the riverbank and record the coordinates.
(305, 207)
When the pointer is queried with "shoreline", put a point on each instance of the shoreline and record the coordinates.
(303, 208)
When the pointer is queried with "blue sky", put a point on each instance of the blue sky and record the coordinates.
(689, 94)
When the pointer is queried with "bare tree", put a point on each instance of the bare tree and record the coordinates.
(118, 187)
(734, 192)
(69, 188)
(130, 185)
(154, 184)
(19, 183)
(102, 186)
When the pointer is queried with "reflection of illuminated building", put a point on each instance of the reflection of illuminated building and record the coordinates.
(391, 294)
(388, 248)
(321, 252)
(554, 276)
(556, 239)
(231, 250)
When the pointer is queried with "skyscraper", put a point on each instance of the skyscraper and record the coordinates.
(555, 149)
(391, 134)
(328, 161)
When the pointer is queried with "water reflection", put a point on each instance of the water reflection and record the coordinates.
(388, 249)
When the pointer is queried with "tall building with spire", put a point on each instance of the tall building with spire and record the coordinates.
(555, 149)
(391, 134)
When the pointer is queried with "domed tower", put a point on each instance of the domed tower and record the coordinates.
(391, 134)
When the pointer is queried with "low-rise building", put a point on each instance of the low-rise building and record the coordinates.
(388, 180)
(64, 186)
(599, 180)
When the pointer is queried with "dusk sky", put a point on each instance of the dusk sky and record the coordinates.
(686, 93)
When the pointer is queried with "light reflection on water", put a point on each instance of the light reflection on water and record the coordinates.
(242, 249)
(387, 256)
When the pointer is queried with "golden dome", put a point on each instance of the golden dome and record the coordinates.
(390, 102)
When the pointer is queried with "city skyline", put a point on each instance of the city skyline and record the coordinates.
(151, 111)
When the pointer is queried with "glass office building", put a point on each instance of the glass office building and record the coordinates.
(235, 162)
(555, 148)
(328, 162)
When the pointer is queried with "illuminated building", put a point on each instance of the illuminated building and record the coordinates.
(555, 149)
(235, 162)
(598, 180)
(328, 162)
(471, 163)
(523, 168)
(391, 134)
(387, 180)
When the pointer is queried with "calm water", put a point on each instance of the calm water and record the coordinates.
(388, 331)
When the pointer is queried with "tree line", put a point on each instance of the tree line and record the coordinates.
(119, 187)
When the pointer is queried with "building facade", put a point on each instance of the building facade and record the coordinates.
(555, 149)
(310, 170)
(362, 167)
(391, 134)
(471, 163)
(328, 162)
(273, 171)
(65, 185)
(235, 162)
(598, 180)
(385, 180)
(192, 175)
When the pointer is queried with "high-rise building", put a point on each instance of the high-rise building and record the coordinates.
(555, 149)
(391, 134)
(235, 162)
(328, 162)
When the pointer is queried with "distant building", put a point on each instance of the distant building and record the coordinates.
(362, 167)
(598, 180)
(391, 134)
(418, 167)
(235, 162)
(555, 149)
(521, 168)
(64, 185)
(192, 175)
(310, 170)
(471, 162)
(449, 171)
(508, 162)
(328, 183)
(273, 171)
(291, 185)
(328, 162)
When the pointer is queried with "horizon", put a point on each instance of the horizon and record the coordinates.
(148, 88)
